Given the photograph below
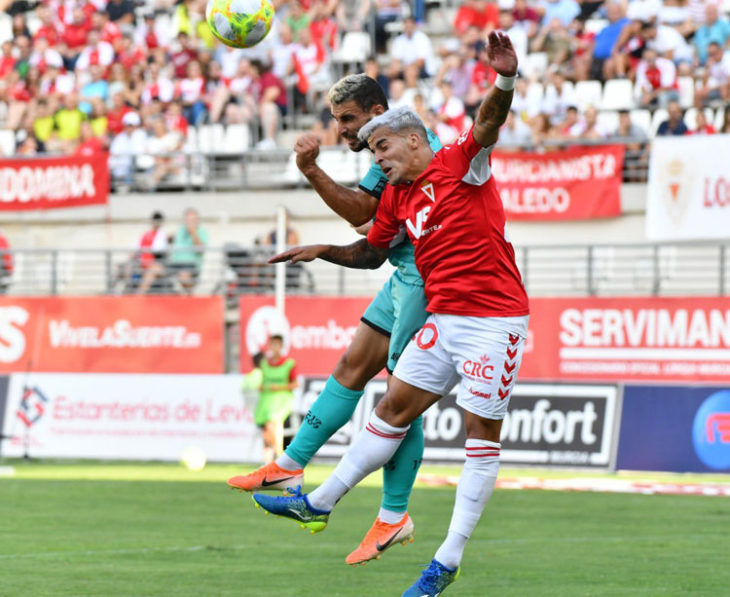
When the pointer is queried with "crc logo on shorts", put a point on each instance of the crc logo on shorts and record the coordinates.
(711, 431)
(479, 370)
(427, 336)
(264, 322)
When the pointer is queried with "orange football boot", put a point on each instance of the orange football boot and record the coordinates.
(380, 537)
(270, 476)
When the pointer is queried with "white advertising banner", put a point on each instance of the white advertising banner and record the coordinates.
(689, 188)
(129, 417)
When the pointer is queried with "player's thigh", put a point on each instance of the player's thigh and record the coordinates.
(403, 402)
(364, 358)
(380, 314)
(409, 302)
(487, 353)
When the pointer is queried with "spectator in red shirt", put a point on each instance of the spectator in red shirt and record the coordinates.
(702, 127)
(323, 27)
(89, 144)
(190, 92)
(526, 16)
(6, 264)
(109, 31)
(481, 79)
(48, 29)
(116, 113)
(182, 54)
(7, 61)
(76, 32)
(270, 96)
(476, 13)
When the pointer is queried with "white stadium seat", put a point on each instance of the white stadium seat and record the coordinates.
(657, 118)
(595, 25)
(690, 117)
(237, 139)
(535, 65)
(211, 138)
(719, 119)
(608, 119)
(588, 93)
(617, 95)
(686, 91)
(355, 47)
(7, 142)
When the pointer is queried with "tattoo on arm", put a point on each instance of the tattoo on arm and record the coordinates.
(358, 255)
(495, 107)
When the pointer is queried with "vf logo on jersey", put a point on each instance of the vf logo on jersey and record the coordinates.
(421, 217)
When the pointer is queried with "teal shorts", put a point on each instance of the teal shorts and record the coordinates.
(397, 311)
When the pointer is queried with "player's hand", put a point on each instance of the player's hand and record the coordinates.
(297, 254)
(501, 54)
(306, 148)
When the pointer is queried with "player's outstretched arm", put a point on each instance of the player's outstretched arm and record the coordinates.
(355, 206)
(495, 107)
(358, 255)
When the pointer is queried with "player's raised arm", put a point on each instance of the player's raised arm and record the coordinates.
(354, 205)
(495, 107)
(358, 255)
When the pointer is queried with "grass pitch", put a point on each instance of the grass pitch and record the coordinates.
(138, 530)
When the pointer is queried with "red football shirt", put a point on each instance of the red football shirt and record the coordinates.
(453, 214)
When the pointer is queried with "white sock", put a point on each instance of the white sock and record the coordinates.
(375, 445)
(472, 494)
(390, 516)
(288, 463)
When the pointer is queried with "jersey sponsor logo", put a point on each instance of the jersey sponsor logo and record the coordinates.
(478, 371)
(421, 217)
(427, 337)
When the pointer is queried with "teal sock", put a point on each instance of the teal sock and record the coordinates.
(330, 411)
(399, 473)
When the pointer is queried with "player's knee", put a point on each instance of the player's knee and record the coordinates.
(350, 372)
(393, 413)
(481, 428)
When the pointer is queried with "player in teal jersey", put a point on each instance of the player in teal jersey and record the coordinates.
(389, 322)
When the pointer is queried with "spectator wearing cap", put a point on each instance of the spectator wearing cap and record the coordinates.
(714, 29)
(125, 146)
(674, 124)
(656, 77)
(411, 47)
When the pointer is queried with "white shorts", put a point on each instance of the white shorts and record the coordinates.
(481, 354)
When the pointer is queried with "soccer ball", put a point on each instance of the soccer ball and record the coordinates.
(193, 458)
(239, 23)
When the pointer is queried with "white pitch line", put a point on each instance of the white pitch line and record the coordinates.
(113, 552)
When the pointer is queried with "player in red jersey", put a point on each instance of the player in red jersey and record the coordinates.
(449, 206)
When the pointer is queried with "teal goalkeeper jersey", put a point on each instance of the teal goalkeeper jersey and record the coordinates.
(401, 255)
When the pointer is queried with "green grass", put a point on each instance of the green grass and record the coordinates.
(137, 530)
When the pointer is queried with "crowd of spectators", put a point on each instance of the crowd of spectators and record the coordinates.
(84, 76)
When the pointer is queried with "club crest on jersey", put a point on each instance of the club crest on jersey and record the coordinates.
(427, 188)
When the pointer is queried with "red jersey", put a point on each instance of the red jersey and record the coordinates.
(454, 217)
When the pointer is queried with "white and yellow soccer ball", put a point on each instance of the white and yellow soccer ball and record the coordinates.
(193, 458)
(239, 23)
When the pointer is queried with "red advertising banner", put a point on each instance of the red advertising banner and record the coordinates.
(574, 184)
(116, 334)
(628, 339)
(570, 339)
(316, 330)
(50, 183)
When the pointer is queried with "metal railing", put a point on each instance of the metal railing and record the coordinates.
(582, 270)
(272, 169)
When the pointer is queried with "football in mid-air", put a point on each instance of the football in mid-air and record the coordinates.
(239, 23)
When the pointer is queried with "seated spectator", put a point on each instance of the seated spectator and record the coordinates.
(89, 143)
(635, 141)
(476, 13)
(325, 128)
(411, 47)
(605, 43)
(526, 17)
(95, 52)
(714, 29)
(297, 18)
(558, 97)
(668, 43)
(451, 115)
(160, 145)
(589, 128)
(386, 11)
(702, 127)
(189, 91)
(188, 248)
(372, 70)
(147, 265)
(482, 78)
(656, 77)
(353, 15)
(322, 26)
(715, 84)
(7, 264)
(517, 34)
(97, 87)
(269, 96)
(125, 146)
(555, 40)
(514, 133)
(674, 125)
(542, 131)
(68, 121)
(311, 62)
